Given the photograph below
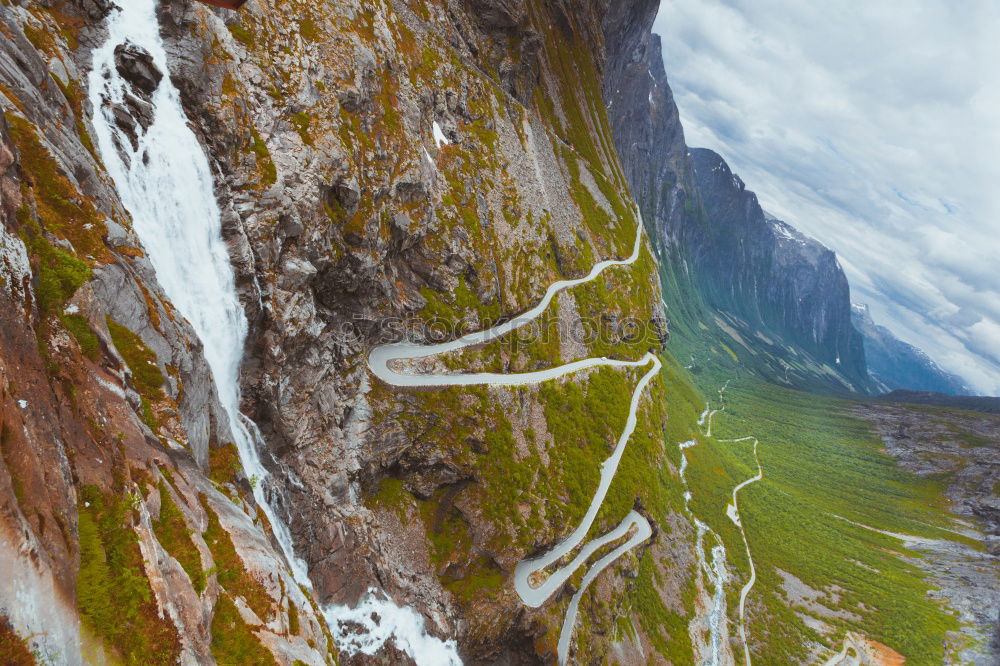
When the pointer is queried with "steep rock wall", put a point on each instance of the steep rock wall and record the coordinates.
(769, 275)
(125, 528)
(439, 163)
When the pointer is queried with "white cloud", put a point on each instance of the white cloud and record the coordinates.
(873, 127)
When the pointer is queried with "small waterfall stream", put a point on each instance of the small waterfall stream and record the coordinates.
(167, 186)
(716, 573)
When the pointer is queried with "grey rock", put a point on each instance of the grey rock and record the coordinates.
(136, 66)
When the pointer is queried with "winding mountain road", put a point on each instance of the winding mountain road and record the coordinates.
(634, 528)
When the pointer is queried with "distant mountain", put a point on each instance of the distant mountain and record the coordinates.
(752, 281)
(764, 272)
(967, 402)
(895, 364)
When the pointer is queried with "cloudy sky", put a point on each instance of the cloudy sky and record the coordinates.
(875, 128)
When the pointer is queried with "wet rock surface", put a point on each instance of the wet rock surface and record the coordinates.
(135, 64)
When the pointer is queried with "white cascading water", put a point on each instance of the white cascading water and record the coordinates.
(167, 187)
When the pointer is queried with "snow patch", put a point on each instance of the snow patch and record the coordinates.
(439, 136)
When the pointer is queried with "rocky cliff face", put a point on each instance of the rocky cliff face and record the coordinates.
(124, 523)
(385, 169)
(646, 124)
(764, 272)
(895, 364)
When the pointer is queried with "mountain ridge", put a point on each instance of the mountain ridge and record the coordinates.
(895, 364)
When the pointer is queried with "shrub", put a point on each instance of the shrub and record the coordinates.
(175, 537)
(113, 593)
(79, 327)
(140, 359)
(14, 650)
(233, 642)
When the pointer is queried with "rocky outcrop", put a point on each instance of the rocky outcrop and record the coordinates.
(894, 364)
(645, 123)
(959, 448)
(764, 272)
(972, 403)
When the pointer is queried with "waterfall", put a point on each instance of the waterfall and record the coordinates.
(167, 186)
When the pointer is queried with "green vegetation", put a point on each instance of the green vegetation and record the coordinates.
(820, 462)
(59, 210)
(224, 463)
(14, 650)
(75, 97)
(451, 316)
(666, 629)
(60, 274)
(79, 327)
(243, 35)
(301, 122)
(269, 172)
(175, 537)
(620, 229)
(59, 218)
(140, 359)
(113, 593)
(233, 642)
(392, 496)
(310, 30)
(229, 568)
(146, 375)
(293, 618)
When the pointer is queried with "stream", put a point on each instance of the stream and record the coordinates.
(716, 572)
(733, 513)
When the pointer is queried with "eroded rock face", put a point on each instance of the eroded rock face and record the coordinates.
(770, 275)
(135, 64)
(646, 124)
(345, 214)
